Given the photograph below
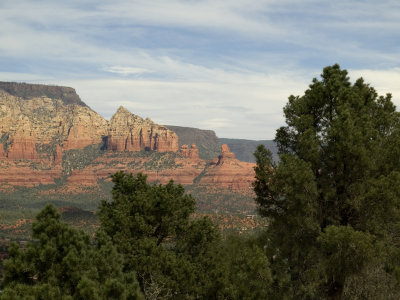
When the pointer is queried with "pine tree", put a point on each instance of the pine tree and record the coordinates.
(62, 263)
(334, 196)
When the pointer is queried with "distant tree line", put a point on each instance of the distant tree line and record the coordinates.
(332, 202)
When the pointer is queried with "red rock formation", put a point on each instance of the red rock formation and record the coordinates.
(2, 152)
(21, 174)
(23, 148)
(128, 132)
(184, 152)
(184, 172)
(226, 152)
(33, 127)
(85, 128)
(57, 157)
(192, 153)
(229, 173)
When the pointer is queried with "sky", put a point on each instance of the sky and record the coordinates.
(227, 65)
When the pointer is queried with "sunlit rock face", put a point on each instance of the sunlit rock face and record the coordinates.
(129, 132)
(48, 133)
(187, 152)
(30, 125)
(228, 172)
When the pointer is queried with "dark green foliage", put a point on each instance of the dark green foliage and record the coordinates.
(249, 275)
(155, 211)
(142, 221)
(61, 263)
(334, 197)
(173, 256)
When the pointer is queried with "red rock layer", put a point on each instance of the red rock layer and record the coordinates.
(229, 173)
(23, 148)
(85, 128)
(193, 152)
(184, 172)
(25, 176)
(2, 152)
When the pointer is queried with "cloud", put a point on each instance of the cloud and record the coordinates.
(228, 64)
(384, 81)
(216, 123)
(126, 70)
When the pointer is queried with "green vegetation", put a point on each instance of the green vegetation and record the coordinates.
(4, 141)
(80, 158)
(63, 264)
(221, 201)
(147, 246)
(161, 161)
(333, 199)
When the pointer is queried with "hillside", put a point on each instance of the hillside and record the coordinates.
(244, 149)
(207, 142)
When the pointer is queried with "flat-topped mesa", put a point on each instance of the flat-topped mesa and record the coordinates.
(129, 132)
(27, 91)
(193, 152)
(39, 121)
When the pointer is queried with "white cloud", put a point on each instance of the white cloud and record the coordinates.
(126, 70)
(113, 54)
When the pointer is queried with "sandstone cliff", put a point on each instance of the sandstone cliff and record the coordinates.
(193, 152)
(40, 124)
(128, 132)
(228, 172)
(33, 128)
(48, 133)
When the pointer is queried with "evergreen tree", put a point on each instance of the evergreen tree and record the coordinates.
(62, 264)
(176, 257)
(333, 198)
(145, 223)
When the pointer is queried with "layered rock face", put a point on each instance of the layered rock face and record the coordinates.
(192, 153)
(183, 170)
(229, 173)
(45, 131)
(33, 128)
(39, 124)
(128, 132)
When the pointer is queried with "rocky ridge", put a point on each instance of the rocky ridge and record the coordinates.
(128, 132)
(49, 134)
